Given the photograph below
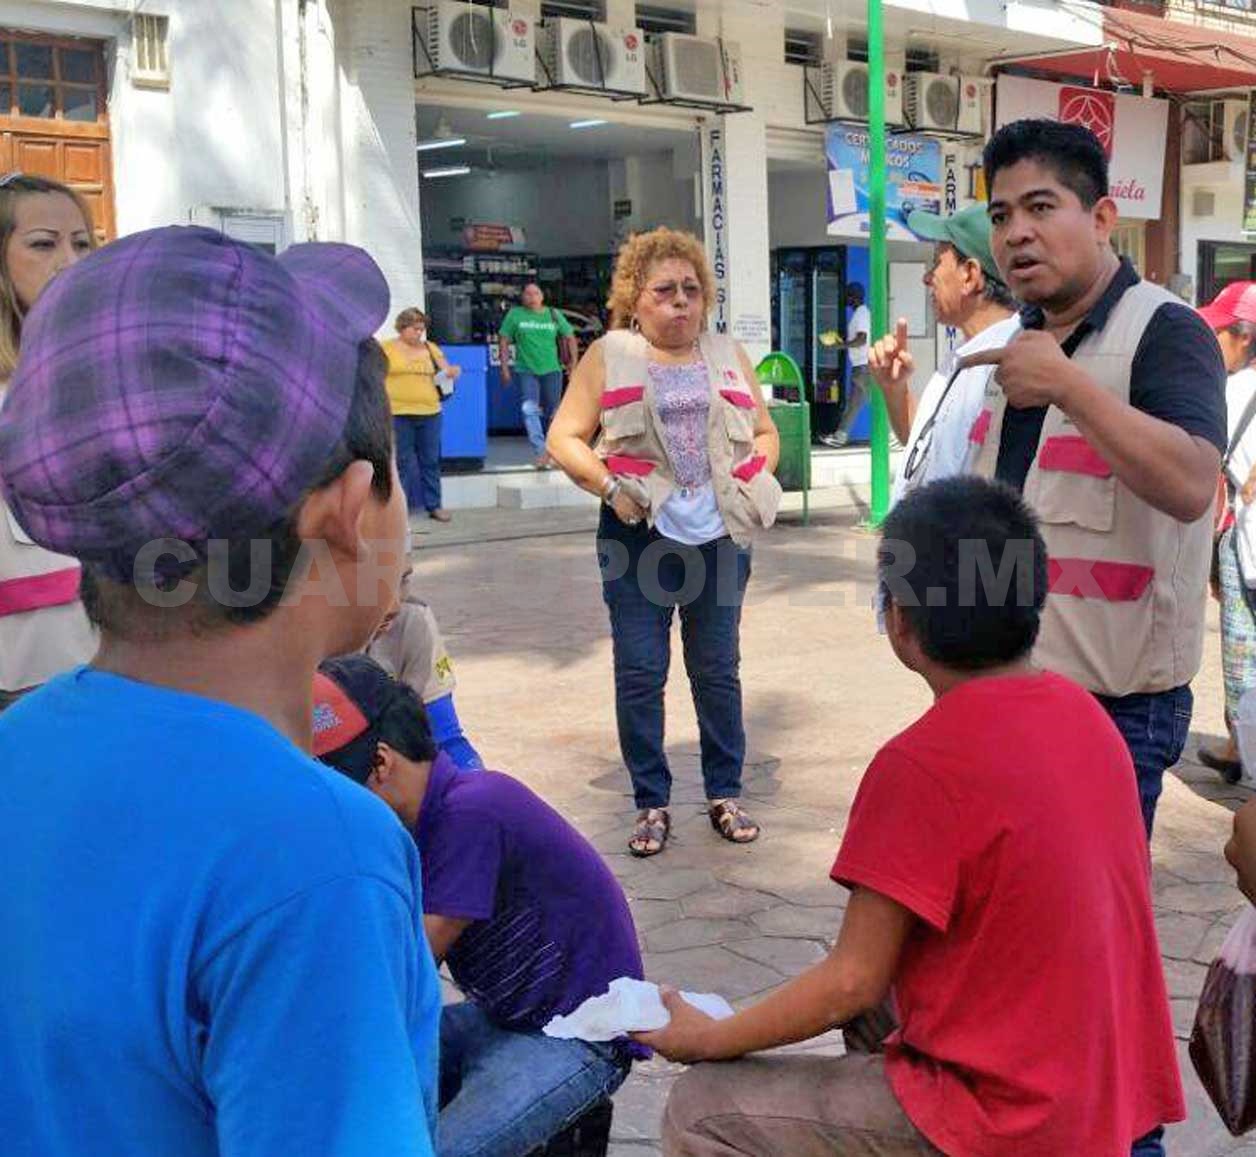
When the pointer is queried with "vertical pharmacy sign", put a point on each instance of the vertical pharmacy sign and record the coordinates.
(715, 198)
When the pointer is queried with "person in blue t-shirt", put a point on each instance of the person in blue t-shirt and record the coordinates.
(527, 915)
(213, 944)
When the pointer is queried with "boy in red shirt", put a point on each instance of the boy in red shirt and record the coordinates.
(1000, 893)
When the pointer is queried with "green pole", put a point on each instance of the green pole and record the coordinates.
(878, 290)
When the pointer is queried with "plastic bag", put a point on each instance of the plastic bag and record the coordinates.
(1223, 1041)
(1244, 725)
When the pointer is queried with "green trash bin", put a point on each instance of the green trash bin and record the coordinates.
(790, 410)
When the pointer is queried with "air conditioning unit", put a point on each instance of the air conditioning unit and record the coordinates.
(487, 41)
(1229, 118)
(585, 54)
(972, 105)
(932, 101)
(691, 68)
(844, 91)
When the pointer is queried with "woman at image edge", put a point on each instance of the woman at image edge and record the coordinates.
(684, 470)
(44, 227)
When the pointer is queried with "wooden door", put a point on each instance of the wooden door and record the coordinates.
(53, 117)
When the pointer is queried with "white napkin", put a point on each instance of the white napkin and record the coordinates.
(628, 1006)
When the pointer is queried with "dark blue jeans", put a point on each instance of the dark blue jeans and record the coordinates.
(505, 1094)
(644, 578)
(541, 394)
(418, 459)
(1155, 728)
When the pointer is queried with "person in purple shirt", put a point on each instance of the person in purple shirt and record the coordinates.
(524, 911)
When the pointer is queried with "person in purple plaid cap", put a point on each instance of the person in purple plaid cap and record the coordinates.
(213, 944)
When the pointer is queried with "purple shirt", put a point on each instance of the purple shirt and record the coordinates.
(551, 926)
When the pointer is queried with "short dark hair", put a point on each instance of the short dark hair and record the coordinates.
(936, 542)
(121, 607)
(398, 718)
(855, 289)
(1072, 152)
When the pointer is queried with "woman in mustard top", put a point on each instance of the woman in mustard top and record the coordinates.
(413, 363)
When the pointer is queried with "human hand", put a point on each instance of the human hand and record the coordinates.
(890, 361)
(685, 1038)
(627, 509)
(1240, 852)
(454, 372)
(1032, 369)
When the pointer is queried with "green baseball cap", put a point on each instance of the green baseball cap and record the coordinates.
(968, 230)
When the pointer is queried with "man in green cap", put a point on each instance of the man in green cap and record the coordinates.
(968, 294)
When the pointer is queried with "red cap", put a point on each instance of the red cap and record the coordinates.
(1236, 302)
(337, 719)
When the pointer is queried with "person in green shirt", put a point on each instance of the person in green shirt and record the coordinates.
(544, 342)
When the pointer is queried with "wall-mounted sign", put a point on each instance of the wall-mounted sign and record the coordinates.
(752, 328)
(486, 238)
(622, 209)
(913, 180)
(716, 210)
(1132, 130)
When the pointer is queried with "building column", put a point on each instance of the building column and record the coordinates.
(735, 178)
(376, 197)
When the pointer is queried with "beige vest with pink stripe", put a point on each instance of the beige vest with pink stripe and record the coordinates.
(631, 446)
(1128, 583)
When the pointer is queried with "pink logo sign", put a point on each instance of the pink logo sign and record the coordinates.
(631, 42)
(1092, 109)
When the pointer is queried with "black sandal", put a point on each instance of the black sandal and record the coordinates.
(728, 818)
(1230, 770)
(654, 825)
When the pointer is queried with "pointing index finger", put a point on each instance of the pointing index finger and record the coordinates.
(900, 333)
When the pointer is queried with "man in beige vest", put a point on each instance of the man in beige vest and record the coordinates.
(1108, 413)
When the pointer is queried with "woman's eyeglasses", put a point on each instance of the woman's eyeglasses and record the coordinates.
(666, 291)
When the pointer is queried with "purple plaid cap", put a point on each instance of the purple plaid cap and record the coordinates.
(179, 384)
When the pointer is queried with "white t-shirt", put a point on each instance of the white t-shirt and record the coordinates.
(860, 323)
(1239, 390)
(948, 450)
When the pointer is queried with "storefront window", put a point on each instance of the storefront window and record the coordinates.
(34, 61)
(1221, 263)
(79, 104)
(78, 65)
(47, 81)
(34, 100)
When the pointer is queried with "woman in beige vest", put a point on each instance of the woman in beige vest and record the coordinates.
(684, 470)
(44, 227)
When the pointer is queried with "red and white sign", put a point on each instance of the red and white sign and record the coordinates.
(1132, 130)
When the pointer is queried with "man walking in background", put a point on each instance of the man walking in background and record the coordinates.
(856, 344)
(544, 342)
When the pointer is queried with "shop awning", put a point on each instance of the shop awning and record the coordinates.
(1181, 58)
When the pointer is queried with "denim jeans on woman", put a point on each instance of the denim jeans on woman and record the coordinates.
(541, 394)
(1155, 727)
(503, 1094)
(644, 578)
(417, 438)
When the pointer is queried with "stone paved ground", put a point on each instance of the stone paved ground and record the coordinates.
(527, 628)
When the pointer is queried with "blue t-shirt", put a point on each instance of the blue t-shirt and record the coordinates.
(211, 943)
(551, 926)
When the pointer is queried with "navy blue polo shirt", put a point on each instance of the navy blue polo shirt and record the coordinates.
(1177, 375)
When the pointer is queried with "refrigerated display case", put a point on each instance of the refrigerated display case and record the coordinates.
(808, 299)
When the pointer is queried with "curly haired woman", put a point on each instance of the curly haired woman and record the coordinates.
(684, 470)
